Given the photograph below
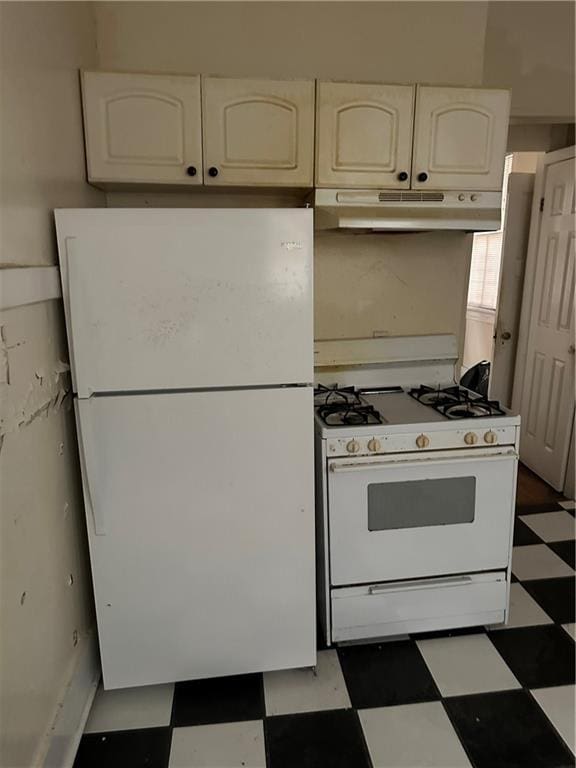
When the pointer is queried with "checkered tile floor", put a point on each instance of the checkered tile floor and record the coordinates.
(483, 697)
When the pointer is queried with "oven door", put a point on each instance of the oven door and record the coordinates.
(418, 515)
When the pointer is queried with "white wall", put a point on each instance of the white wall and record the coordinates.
(45, 596)
(390, 285)
(390, 42)
(530, 49)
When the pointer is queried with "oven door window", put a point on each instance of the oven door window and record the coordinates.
(421, 503)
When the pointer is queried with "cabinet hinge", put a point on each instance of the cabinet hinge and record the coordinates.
(541, 204)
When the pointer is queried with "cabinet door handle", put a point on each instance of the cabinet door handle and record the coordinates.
(212, 171)
(191, 170)
(402, 176)
(423, 176)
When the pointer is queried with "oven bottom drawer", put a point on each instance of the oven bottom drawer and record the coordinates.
(398, 608)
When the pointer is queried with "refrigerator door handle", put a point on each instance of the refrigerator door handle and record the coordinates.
(76, 309)
(88, 462)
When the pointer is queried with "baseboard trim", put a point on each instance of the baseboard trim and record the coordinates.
(65, 734)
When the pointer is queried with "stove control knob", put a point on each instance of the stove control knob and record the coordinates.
(490, 437)
(470, 438)
(353, 446)
(422, 441)
(374, 445)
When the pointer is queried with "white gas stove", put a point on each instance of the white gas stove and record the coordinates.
(415, 500)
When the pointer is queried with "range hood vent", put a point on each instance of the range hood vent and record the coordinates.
(410, 197)
(375, 210)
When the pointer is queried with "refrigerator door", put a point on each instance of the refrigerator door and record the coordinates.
(201, 529)
(160, 299)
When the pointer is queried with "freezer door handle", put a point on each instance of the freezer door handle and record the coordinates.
(77, 312)
(89, 471)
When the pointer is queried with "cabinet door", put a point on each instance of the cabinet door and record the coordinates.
(142, 128)
(258, 132)
(364, 135)
(460, 138)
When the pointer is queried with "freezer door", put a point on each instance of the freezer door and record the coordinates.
(201, 531)
(181, 299)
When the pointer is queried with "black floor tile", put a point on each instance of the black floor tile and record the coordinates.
(456, 632)
(566, 550)
(332, 739)
(507, 730)
(218, 700)
(384, 674)
(143, 748)
(555, 596)
(538, 656)
(524, 535)
(534, 509)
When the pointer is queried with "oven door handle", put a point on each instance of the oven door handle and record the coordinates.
(456, 581)
(364, 466)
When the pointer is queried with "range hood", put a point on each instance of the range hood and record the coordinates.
(406, 210)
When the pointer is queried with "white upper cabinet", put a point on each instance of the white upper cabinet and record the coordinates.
(142, 128)
(460, 137)
(364, 135)
(258, 132)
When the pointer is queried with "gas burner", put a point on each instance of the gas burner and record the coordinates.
(456, 402)
(473, 409)
(336, 396)
(437, 397)
(339, 414)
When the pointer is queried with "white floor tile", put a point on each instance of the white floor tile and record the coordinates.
(466, 664)
(551, 526)
(568, 504)
(537, 561)
(558, 705)
(570, 628)
(412, 736)
(524, 610)
(303, 690)
(225, 745)
(125, 708)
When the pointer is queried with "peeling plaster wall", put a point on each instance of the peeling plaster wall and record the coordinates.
(45, 593)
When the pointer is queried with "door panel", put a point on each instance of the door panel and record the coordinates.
(547, 403)
(142, 128)
(514, 247)
(258, 132)
(203, 561)
(159, 299)
(457, 512)
(364, 135)
(460, 138)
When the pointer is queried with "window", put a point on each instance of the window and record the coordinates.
(486, 257)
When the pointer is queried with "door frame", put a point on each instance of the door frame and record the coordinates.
(550, 158)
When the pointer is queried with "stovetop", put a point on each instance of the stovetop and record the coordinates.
(353, 407)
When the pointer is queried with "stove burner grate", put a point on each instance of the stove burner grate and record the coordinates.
(338, 414)
(336, 396)
(456, 402)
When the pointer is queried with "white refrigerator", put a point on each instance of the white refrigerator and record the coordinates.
(191, 347)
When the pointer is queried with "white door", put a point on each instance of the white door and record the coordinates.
(547, 394)
(142, 128)
(174, 299)
(516, 226)
(364, 135)
(200, 517)
(258, 132)
(419, 517)
(460, 137)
